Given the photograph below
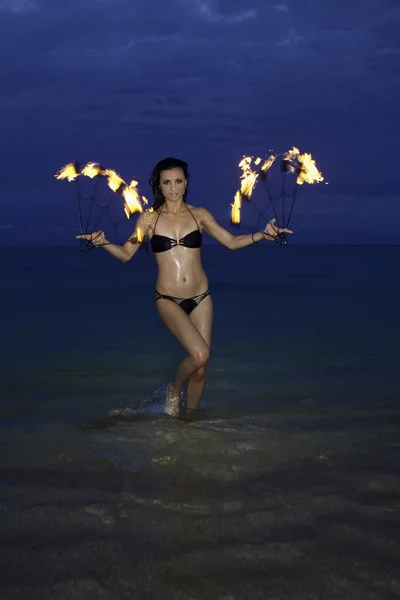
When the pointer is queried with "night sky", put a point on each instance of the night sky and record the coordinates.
(127, 83)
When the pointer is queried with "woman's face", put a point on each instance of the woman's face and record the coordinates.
(173, 184)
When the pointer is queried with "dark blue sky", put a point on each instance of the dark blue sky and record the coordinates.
(127, 83)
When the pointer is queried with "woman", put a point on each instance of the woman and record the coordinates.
(182, 294)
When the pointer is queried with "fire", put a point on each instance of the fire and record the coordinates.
(132, 199)
(292, 154)
(137, 237)
(304, 166)
(308, 172)
(68, 172)
(92, 170)
(236, 206)
(133, 202)
(290, 160)
(248, 177)
(114, 180)
(268, 162)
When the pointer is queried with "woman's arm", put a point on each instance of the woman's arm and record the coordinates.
(128, 250)
(133, 243)
(224, 237)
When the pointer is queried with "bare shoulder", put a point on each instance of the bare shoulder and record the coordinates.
(148, 219)
(201, 214)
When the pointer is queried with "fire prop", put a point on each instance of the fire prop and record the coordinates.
(292, 162)
(133, 202)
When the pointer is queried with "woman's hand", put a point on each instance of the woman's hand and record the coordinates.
(97, 238)
(272, 232)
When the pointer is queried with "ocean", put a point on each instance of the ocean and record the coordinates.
(285, 485)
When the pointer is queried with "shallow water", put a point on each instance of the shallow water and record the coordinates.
(284, 485)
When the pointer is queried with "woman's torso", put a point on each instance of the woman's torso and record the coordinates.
(176, 241)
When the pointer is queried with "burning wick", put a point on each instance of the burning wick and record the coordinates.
(302, 165)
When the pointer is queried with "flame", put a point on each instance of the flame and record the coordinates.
(114, 180)
(248, 177)
(304, 166)
(144, 200)
(92, 170)
(127, 211)
(268, 162)
(308, 172)
(68, 172)
(236, 206)
(293, 154)
(133, 183)
(132, 199)
(137, 237)
(291, 158)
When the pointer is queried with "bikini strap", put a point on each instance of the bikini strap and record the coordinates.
(193, 216)
(155, 224)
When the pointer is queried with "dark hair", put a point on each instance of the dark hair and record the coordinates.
(154, 182)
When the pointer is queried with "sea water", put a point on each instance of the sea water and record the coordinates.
(284, 485)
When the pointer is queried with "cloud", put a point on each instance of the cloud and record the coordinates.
(260, 72)
(209, 11)
(291, 39)
(17, 6)
(281, 7)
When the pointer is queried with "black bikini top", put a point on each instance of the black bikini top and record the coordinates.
(162, 243)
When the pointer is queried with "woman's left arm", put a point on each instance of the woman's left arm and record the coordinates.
(235, 242)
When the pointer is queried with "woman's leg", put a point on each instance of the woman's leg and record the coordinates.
(179, 324)
(202, 318)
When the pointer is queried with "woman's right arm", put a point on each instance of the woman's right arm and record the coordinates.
(122, 253)
(127, 250)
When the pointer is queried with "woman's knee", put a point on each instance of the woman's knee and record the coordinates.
(201, 358)
(199, 374)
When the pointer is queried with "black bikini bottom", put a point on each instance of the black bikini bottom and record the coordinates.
(188, 304)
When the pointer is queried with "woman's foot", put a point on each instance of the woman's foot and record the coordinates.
(171, 401)
(188, 414)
